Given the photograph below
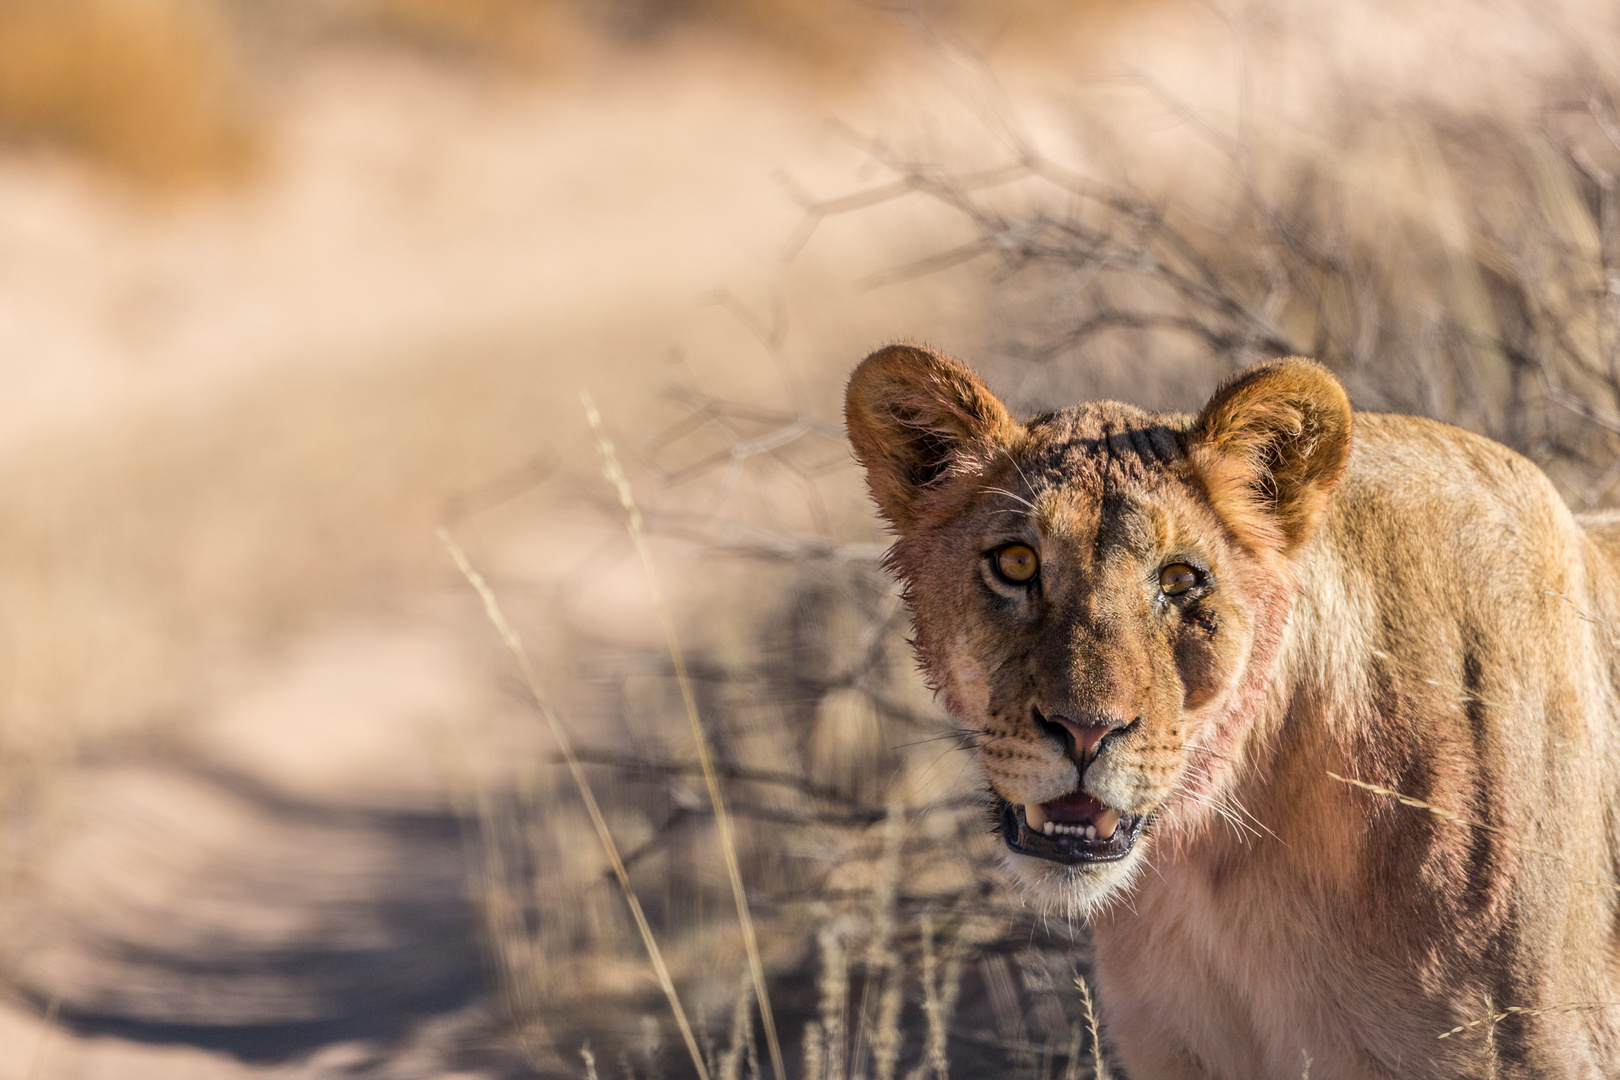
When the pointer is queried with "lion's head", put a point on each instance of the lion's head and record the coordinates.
(1098, 593)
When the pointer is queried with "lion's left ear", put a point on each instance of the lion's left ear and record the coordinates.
(1270, 447)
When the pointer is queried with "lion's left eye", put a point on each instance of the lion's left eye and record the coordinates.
(1177, 578)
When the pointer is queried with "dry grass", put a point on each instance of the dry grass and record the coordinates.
(722, 820)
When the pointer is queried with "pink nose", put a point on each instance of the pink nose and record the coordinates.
(1084, 737)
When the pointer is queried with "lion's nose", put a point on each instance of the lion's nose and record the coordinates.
(1082, 733)
(1085, 737)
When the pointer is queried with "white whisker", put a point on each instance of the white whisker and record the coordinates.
(1013, 496)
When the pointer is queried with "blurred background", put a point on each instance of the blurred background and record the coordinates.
(285, 289)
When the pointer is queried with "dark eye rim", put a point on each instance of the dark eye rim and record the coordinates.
(993, 558)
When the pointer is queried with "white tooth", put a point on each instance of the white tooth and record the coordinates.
(1048, 829)
(1107, 822)
(1091, 833)
(1035, 814)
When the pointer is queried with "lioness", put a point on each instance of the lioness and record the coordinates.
(1171, 632)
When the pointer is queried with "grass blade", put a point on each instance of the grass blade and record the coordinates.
(722, 821)
(565, 745)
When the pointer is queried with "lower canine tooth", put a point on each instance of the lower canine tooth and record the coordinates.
(1035, 814)
(1107, 822)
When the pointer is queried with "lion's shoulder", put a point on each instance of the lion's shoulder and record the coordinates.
(1416, 489)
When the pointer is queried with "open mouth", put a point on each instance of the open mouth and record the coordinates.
(1074, 829)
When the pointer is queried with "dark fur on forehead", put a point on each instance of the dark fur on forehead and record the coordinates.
(1119, 444)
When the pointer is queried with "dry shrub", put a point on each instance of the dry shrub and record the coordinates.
(521, 34)
(149, 89)
(1446, 260)
(860, 834)
(846, 38)
(833, 40)
(1442, 260)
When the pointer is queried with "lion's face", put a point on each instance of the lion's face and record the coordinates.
(1094, 682)
(1096, 594)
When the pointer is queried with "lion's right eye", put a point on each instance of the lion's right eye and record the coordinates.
(1015, 563)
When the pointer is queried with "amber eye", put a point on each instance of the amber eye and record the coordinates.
(1016, 563)
(1177, 578)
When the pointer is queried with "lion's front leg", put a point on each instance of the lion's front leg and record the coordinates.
(1161, 1058)
(1179, 1027)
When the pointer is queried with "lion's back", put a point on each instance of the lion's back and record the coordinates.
(1448, 529)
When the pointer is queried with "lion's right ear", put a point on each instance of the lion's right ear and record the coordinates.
(916, 418)
(1270, 447)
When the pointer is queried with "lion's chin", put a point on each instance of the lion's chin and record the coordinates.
(1077, 892)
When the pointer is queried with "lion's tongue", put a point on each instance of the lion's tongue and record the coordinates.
(1075, 808)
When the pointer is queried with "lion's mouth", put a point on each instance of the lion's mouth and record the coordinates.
(1074, 829)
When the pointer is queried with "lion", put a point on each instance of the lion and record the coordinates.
(1202, 654)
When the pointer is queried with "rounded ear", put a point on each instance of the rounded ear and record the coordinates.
(1270, 447)
(916, 418)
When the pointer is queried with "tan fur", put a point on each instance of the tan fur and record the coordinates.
(1387, 598)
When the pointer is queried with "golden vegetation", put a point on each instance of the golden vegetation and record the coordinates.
(522, 34)
(169, 93)
(151, 90)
